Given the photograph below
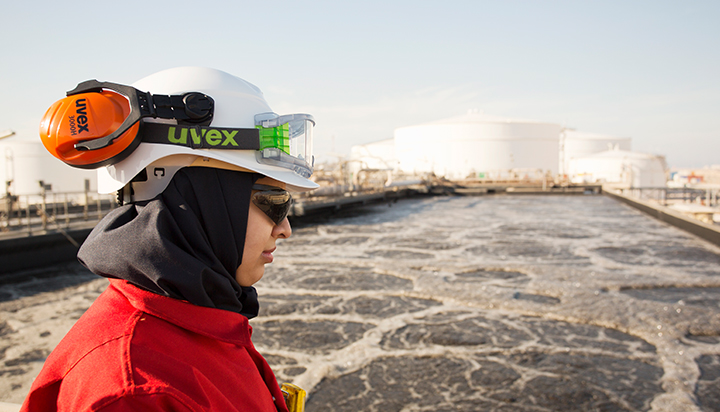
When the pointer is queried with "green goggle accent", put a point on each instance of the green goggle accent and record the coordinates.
(276, 137)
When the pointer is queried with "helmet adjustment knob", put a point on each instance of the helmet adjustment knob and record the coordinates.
(198, 106)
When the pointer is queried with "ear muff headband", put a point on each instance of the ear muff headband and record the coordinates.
(98, 123)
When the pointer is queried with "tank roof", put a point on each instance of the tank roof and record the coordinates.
(473, 116)
(617, 153)
(575, 134)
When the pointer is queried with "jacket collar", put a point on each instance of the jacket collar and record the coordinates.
(219, 324)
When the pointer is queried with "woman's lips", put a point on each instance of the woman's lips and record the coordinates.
(268, 255)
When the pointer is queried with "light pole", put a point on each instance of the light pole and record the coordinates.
(8, 160)
(9, 199)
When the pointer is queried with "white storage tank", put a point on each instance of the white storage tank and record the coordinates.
(375, 155)
(575, 144)
(620, 166)
(25, 162)
(477, 145)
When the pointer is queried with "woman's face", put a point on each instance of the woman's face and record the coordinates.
(260, 240)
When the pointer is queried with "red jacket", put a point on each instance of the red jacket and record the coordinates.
(137, 351)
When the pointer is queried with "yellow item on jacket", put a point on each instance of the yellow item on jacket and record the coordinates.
(294, 397)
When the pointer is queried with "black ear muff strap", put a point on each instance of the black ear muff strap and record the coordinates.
(189, 108)
(201, 137)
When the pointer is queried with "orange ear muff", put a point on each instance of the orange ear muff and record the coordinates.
(99, 123)
(86, 117)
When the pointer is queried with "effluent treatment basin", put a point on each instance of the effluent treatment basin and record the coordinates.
(497, 303)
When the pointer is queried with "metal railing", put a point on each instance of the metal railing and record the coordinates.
(46, 211)
(673, 195)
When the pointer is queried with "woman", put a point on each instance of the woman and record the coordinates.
(199, 223)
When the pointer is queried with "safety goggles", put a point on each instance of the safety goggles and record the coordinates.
(286, 141)
(273, 201)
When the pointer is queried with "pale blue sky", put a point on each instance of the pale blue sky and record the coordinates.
(649, 70)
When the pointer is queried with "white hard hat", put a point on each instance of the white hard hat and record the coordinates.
(237, 105)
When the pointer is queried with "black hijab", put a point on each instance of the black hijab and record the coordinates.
(186, 243)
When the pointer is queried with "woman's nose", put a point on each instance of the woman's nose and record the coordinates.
(283, 229)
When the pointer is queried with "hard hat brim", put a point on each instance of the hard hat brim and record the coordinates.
(115, 177)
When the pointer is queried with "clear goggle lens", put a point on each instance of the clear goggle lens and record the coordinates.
(286, 141)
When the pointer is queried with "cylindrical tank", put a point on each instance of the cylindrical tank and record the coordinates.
(620, 166)
(25, 163)
(375, 155)
(575, 144)
(477, 145)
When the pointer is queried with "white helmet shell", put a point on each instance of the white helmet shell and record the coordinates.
(236, 104)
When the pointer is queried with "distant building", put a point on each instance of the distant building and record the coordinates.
(25, 162)
(477, 145)
(575, 144)
(376, 155)
(709, 175)
(631, 169)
